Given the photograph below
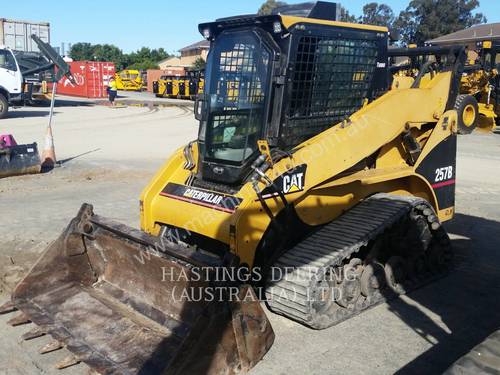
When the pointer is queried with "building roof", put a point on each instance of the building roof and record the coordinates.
(489, 31)
(174, 62)
(203, 44)
(170, 61)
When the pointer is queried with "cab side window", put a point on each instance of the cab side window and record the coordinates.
(497, 61)
(7, 60)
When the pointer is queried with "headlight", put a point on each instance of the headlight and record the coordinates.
(277, 27)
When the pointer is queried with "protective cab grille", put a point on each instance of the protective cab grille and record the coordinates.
(330, 80)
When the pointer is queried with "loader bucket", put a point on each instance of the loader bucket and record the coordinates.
(113, 296)
(19, 159)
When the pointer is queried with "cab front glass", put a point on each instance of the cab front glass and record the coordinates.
(238, 67)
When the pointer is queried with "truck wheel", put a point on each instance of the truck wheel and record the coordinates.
(468, 113)
(4, 106)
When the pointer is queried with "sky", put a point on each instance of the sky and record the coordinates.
(131, 24)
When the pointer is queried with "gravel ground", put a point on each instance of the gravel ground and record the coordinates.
(109, 155)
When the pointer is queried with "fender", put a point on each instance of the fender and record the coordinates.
(5, 92)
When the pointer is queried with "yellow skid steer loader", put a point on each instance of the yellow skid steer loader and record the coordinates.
(310, 180)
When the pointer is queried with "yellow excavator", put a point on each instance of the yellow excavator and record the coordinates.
(311, 186)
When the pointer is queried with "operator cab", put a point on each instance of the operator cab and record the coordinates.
(284, 79)
(7, 59)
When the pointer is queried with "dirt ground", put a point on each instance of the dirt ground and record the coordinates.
(108, 155)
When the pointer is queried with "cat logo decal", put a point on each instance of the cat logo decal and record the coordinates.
(292, 181)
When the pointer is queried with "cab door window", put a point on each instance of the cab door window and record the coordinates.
(7, 60)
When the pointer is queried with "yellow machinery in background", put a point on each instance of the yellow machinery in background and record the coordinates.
(481, 80)
(40, 91)
(195, 82)
(180, 87)
(412, 67)
(478, 103)
(312, 186)
(129, 80)
(166, 87)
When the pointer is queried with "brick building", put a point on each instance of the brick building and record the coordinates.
(188, 55)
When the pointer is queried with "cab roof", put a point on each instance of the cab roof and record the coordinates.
(286, 21)
(289, 21)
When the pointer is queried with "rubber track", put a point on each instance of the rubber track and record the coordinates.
(483, 359)
(330, 246)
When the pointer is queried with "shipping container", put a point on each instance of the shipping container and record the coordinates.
(91, 79)
(16, 34)
(155, 74)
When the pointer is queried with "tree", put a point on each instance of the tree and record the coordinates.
(345, 16)
(146, 58)
(98, 52)
(406, 27)
(108, 52)
(142, 59)
(377, 14)
(199, 64)
(423, 20)
(82, 51)
(269, 6)
(144, 65)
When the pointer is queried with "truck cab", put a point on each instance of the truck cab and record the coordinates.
(11, 80)
(15, 88)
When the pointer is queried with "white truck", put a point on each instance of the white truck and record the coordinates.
(11, 81)
(14, 89)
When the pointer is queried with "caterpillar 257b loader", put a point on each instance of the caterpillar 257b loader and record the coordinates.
(307, 171)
